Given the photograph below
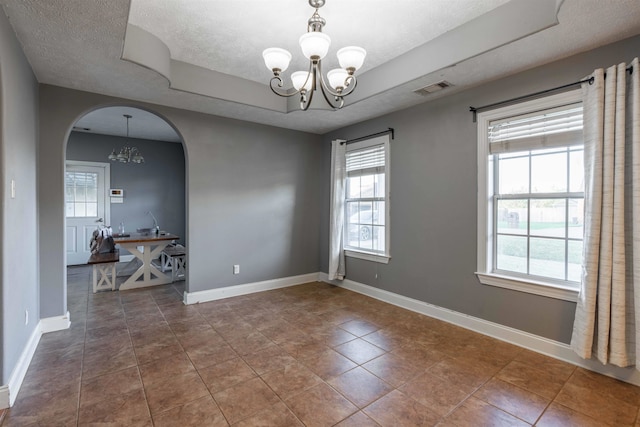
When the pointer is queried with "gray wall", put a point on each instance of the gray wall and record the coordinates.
(434, 201)
(253, 195)
(19, 121)
(158, 185)
(256, 194)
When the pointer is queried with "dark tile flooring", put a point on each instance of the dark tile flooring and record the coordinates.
(313, 355)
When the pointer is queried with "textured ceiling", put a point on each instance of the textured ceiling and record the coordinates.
(79, 44)
(229, 36)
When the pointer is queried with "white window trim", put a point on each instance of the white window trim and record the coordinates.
(363, 254)
(485, 231)
(383, 259)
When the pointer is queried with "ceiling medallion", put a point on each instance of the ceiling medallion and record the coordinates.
(315, 45)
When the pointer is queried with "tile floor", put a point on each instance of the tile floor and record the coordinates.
(313, 355)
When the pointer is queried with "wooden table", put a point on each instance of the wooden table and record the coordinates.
(152, 245)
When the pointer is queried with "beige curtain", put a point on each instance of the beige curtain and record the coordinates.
(607, 322)
(336, 214)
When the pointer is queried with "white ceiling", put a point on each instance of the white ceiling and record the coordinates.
(205, 55)
(229, 36)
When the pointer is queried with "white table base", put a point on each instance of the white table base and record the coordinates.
(147, 274)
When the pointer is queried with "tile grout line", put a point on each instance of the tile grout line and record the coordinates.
(556, 396)
(194, 365)
(257, 376)
(84, 343)
(297, 304)
(144, 389)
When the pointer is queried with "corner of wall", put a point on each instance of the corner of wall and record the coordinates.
(9, 392)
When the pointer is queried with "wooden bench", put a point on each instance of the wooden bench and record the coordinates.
(104, 265)
(174, 258)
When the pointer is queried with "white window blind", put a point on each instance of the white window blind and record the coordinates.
(366, 161)
(366, 225)
(557, 127)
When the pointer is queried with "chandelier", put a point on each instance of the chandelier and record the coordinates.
(127, 154)
(315, 45)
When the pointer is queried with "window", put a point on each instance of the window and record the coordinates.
(531, 196)
(367, 194)
(81, 194)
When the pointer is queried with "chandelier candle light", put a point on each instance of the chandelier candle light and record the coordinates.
(315, 45)
(127, 154)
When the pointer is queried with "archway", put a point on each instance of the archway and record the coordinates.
(142, 187)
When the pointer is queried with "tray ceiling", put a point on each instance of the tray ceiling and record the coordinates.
(205, 55)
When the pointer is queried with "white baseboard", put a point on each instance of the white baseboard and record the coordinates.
(514, 336)
(9, 392)
(4, 397)
(247, 288)
(517, 337)
(18, 373)
(56, 323)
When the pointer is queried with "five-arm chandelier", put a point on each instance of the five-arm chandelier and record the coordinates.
(315, 45)
(127, 154)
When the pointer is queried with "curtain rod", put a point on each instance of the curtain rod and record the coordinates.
(384, 132)
(475, 110)
(590, 80)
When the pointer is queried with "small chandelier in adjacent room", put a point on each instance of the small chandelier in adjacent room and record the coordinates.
(315, 45)
(127, 154)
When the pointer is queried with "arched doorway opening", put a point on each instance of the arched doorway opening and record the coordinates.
(125, 168)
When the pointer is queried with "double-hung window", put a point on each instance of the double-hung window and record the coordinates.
(531, 196)
(367, 200)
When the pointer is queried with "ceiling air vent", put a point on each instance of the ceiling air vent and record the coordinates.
(433, 88)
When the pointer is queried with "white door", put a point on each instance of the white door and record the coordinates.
(86, 191)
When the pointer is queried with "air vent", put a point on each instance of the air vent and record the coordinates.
(433, 88)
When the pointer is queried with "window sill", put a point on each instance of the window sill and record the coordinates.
(530, 286)
(383, 259)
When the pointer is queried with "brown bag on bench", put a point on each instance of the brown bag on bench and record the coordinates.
(101, 242)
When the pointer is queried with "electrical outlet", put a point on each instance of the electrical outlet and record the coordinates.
(236, 269)
(26, 317)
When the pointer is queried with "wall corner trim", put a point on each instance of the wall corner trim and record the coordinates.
(56, 323)
(555, 349)
(9, 392)
(248, 288)
(4, 397)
